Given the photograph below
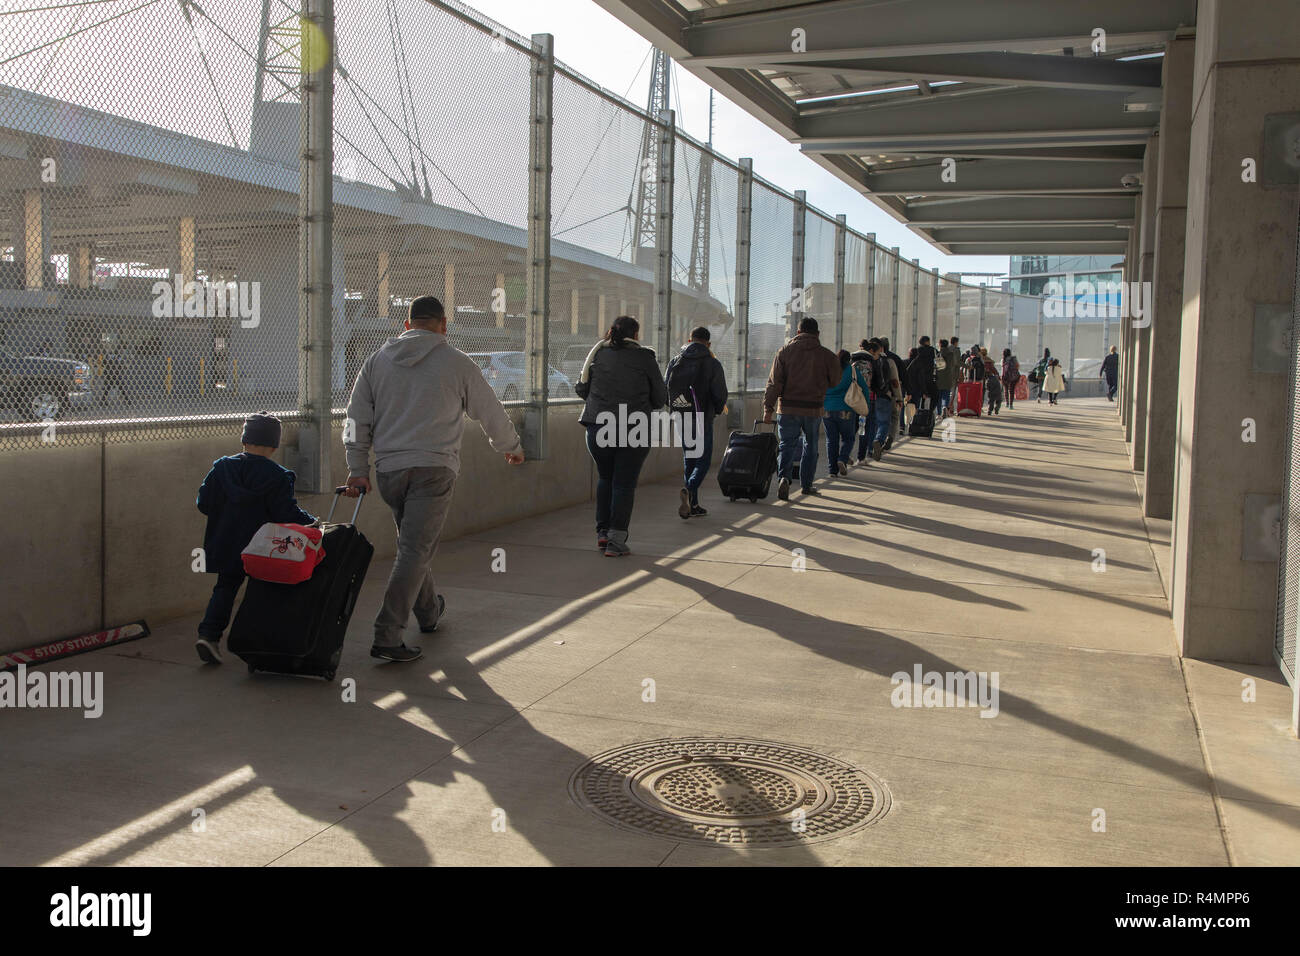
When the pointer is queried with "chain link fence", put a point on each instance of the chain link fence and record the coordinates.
(151, 277)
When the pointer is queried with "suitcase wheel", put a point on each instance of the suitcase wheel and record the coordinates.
(732, 497)
(251, 668)
(328, 675)
(753, 500)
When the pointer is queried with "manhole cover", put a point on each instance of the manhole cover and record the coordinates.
(731, 791)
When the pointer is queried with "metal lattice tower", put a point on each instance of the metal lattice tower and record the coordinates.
(700, 230)
(647, 172)
(279, 55)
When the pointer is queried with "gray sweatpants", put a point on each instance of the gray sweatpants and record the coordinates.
(419, 498)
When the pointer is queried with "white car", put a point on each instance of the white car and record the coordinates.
(507, 372)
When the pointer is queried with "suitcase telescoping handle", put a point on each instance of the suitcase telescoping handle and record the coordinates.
(338, 493)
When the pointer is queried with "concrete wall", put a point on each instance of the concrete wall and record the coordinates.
(59, 519)
(1241, 238)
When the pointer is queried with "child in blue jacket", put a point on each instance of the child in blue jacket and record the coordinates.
(240, 494)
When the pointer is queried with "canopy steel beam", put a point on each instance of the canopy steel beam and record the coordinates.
(1022, 210)
(1003, 177)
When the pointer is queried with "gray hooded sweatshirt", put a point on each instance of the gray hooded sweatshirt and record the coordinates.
(410, 403)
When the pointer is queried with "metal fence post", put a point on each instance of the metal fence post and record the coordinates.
(796, 266)
(315, 248)
(539, 246)
(871, 285)
(664, 237)
(934, 310)
(916, 299)
(1074, 325)
(894, 267)
(983, 304)
(1039, 350)
(841, 240)
(744, 212)
(1010, 306)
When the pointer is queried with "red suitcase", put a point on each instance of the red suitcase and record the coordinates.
(970, 398)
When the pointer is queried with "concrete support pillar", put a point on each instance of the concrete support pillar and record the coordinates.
(449, 291)
(601, 325)
(33, 240)
(1239, 265)
(1167, 279)
(573, 311)
(500, 299)
(381, 266)
(83, 267)
(1142, 326)
(1134, 271)
(186, 250)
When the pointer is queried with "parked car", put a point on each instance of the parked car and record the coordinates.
(506, 372)
(39, 388)
(571, 360)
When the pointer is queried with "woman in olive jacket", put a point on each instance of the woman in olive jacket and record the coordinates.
(622, 385)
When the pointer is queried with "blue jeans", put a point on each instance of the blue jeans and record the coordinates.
(1112, 383)
(839, 440)
(221, 605)
(695, 470)
(617, 471)
(945, 396)
(790, 428)
(883, 410)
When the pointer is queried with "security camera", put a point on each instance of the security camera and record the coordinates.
(1131, 181)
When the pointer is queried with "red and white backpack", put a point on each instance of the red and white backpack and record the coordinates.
(283, 553)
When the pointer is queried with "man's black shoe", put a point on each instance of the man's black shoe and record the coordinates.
(697, 511)
(400, 653)
(442, 606)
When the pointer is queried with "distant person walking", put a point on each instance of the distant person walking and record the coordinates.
(952, 364)
(1010, 376)
(865, 364)
(697, 386)
(620, 379)
(1039, 372)
(841, 421)
(899, 366)
(992, 383)
(884, 397)
(945, 380)
(409, 406)
(802, 372)
(1110, 372)
(1054, 381)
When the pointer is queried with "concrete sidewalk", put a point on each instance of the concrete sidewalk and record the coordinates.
(982, 554)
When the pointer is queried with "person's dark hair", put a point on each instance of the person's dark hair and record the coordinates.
(884, 343)
(1006, 353)
(925, 340)
(865, 344)
(845, 358)
(943, 343)
(912, 353)
(625, 327)
(426, 308)
(954, 340)
(873, 345)
(700, 335)
(1054, 362)
(808, 325)
(1047, 353)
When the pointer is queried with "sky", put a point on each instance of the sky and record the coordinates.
(599, 46)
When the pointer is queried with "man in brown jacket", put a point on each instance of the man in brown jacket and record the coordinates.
(801, 373)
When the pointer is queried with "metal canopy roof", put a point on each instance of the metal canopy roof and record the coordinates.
(1045, 135)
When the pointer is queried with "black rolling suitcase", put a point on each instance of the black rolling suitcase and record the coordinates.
(922, 425)
(748, 464)
(299, 628)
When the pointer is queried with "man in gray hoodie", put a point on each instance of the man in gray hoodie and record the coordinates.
(409, 404)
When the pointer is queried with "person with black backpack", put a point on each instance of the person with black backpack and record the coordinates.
(1010, 376)
(697, 391)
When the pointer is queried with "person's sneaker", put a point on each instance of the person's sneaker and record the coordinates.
(889, 443)
(602, 538)
(684, 504)
(209, 650)
(810, 491)
(844, 468)
(877, 450)
(783, 489)
(617, 545)
(442, 607)
(697, 511)
(400, 653)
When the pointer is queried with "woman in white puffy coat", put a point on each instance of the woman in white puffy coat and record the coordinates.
(1053, 380)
